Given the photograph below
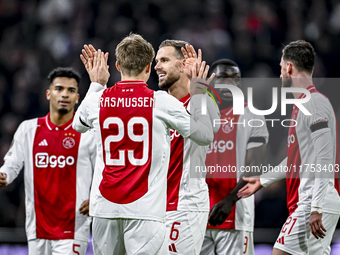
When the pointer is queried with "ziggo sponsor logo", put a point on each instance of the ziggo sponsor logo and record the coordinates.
(42, 159)
(220, 146)
(173, 134)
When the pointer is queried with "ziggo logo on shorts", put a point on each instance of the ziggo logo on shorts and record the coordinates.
(42, 159)
(220, 146)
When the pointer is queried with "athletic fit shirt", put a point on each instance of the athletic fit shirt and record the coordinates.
(132, 125)
(187, 190)
(58, 163)
(228, 151)
(301, 155)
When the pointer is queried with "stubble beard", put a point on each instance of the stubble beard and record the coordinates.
(168, 82)
(286, 82)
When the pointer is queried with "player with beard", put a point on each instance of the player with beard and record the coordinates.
(128, 196)
(58, 163)
(312, 160)
(235, 145)
(187, 195)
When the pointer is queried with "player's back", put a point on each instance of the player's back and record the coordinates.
(302, 157)
(125, 119)
(132, 126)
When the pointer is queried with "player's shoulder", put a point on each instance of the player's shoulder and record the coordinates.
(162, 98)
(27, 126)
(318, 100)
(161, 94)
(318, 96)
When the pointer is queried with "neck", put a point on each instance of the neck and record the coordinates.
(302, 80)
(140, 77)
(59, 119)
(180, 89)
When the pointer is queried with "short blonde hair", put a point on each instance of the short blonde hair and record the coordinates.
(133, 54)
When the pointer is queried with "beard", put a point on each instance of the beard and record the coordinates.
(169, 81)
(63, 110)
(286, 82)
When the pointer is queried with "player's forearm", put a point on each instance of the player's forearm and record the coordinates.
(233, 194)
(322, 141)
(94, 87)
(214, 114)
(79, 123)
(203, 133)
(240, 184)
(201, 126)
(269, 178)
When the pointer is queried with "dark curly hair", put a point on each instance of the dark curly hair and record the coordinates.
(63, 72)
(301, 54)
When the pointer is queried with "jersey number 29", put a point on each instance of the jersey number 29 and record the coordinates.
(144, 137)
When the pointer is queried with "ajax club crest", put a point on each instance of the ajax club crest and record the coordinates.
(69, 142)
(228, 127)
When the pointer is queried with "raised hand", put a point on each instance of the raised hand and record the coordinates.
(98, 69)
(190, 58)
(88, 55)
(199, 78)
(253, 185)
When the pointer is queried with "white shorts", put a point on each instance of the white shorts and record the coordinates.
(322, 246)
(294, 234)
(56, 247)
(128, 236)
(185, 231)
(228, 241)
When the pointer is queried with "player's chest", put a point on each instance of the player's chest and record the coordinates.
(58, 146)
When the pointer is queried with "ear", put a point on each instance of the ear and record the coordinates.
(77, 99)
(181, 64)
(148, 68)
(117, 66)
(289, 68)
(48, 94)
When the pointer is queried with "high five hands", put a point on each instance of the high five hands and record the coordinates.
(195, 69)
(95, 63)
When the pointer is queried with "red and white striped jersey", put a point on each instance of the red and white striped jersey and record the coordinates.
(227, 155)
(132, 125)
(185, 191)
(58, 163)
(302, 157)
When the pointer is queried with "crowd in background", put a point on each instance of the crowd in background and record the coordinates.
(37, 36)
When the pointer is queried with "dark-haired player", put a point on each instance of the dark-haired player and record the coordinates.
(312, 160)
(58, 164)
(132, 122)
(187, 195)
(235, 146)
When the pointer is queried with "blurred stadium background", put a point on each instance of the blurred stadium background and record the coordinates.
(37, 36)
